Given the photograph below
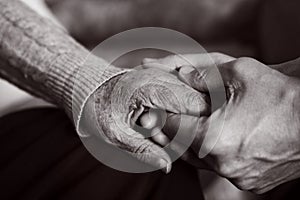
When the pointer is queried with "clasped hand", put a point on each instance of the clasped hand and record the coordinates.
(253, 138)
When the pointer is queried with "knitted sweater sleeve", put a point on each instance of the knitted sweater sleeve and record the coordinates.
(41, 58)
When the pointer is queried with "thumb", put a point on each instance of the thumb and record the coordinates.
(211, 80)
(133, 141)
(188, 130)
(172, 62)
(205, 79)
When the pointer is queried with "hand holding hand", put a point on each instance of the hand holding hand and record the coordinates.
(257, 146)
(119, 103)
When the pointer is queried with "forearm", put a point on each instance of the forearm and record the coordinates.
(40, 57)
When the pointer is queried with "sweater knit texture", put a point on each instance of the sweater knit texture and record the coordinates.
(41, 58)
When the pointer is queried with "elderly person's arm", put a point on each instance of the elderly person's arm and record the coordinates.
(40, 57)
(43, 59)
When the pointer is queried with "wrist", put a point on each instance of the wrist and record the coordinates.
(102, 97)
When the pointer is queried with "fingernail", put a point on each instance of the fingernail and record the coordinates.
(186, 69)
(165, 166)
(148, 60)
(168, 168)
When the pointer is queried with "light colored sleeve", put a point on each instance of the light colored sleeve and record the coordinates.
(41, 58)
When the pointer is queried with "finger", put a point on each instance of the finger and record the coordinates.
(164, 91)
(152, 118)
(172, 62)
(168, 64)
(179, 149)
(177, 98)
(198, 60)
(155, 65)
(145, 150)
(207, 79)
(159, 137)
(194, 77)
(204, 132)
(188, 130)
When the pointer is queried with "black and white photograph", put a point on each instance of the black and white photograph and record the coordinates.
(149, 100)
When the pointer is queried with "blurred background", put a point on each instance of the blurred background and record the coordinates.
(267, 30)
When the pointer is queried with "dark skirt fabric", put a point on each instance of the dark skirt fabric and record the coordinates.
(42, 157)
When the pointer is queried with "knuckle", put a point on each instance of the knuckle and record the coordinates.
(220, 57)
(243, 185)
(175, 57)
(179, 60)
(200, 75)
(246, 60)
(226, 170)
(241, 67)
(240, 61)
(217, 54)
(192, 98)
(199, 101)
(143, 148)
(173, 60)
(248, 184)
(172, 57)
(244, 63)
(230, 167)
(225, 146)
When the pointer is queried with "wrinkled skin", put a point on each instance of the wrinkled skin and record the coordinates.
(258, 146)
(120, 101)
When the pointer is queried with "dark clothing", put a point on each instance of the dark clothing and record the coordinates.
(42, 157)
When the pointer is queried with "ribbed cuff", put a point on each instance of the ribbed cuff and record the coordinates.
(43, 59)
(75, 78)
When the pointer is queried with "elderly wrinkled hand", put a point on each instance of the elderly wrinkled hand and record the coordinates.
(120, 102)
(253, 138)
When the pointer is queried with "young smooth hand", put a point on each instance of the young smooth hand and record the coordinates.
(253, 138)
